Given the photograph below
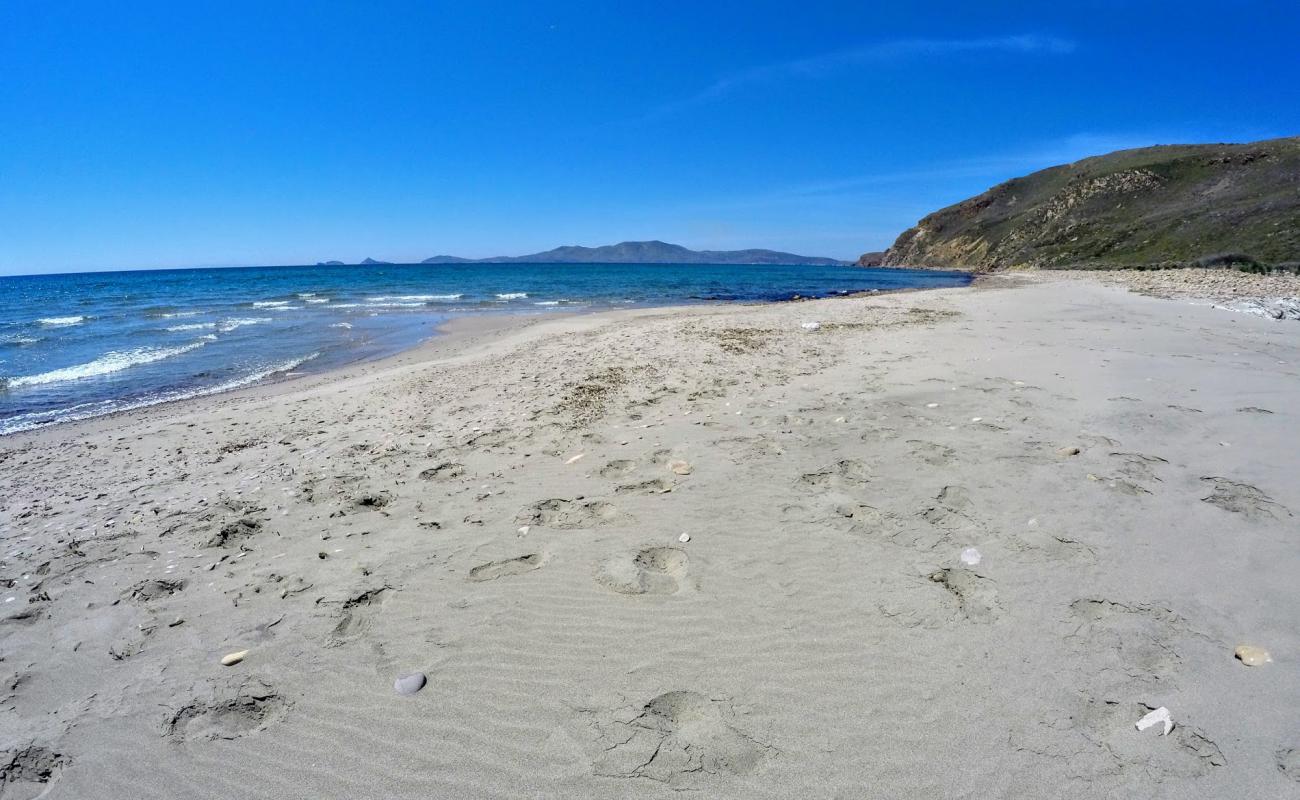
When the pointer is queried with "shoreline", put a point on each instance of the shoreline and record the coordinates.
(446, 336)
(698, 548)
(1274, 295)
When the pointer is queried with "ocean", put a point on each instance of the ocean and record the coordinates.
(81, 345)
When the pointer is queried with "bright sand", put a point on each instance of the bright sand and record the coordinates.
(502, 510)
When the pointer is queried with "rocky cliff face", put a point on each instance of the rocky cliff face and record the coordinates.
(1169, 206)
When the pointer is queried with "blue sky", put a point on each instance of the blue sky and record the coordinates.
(159, 134)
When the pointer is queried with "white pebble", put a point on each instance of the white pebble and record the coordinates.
(684, 538)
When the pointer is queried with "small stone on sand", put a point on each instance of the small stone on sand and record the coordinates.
(970, 556)
(1252, 656)
(684, 538)
(410, 683)
(1068, 451)
(575, 459)
(680, 467)
(231, 659)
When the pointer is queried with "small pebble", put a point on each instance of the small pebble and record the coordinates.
(931, 405)
(970, 556)
(410, 684)
(575, 459)
(1252, 656)
(1068, 451)
(523, 530)
(232, 659)
(680, 467)
(684, 538)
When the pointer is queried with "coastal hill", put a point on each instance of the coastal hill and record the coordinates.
(1176, 205)
(652, 252)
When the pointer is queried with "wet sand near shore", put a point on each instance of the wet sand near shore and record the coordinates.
(945, 543)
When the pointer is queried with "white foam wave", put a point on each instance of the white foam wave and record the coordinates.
(420, 298)
(239, 322)
(16, 339)
(547, 303)
(346, 325)
(106, 364)
(56, 322)
(513, 296)
(315, 300)
(172, 314)
(270, 303)
(193, 326)
(39, 419)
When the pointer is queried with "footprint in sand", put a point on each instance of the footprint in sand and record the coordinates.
(154, 589)
(510, 566)
(951, 512)
(372, 501)
(844, 474)
(1125, 644)
(1244, 499)
(677, 738)
(936, 455)
(653, 486)
(620, 468)
(1288, 761)
(654, 570)
(1120, 486)
(446, 471)
(1139, 466)
(357, 613)
(1098, 739)
(254, 705)
(570, 514)
(977, 598)
(29, 770)
(236, 531)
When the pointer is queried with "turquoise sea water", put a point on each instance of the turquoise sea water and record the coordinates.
(77, 346)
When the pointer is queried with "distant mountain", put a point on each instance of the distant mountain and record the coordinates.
(329, 263)
(1174, 205)
(653, 252)
(369, 262)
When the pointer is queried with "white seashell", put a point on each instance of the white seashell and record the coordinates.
(231, 659)
(576, 458)
(1252, 656)
(684, 538)
(810, 326)
(970, 556)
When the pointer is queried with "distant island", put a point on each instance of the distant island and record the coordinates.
(1166, 206)
(652, 252)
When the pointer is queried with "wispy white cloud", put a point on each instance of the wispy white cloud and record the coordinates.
(928, 185)
(880, 52)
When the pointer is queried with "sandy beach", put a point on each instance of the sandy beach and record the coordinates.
(712, 550)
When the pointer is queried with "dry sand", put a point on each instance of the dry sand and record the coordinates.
(502, 511)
